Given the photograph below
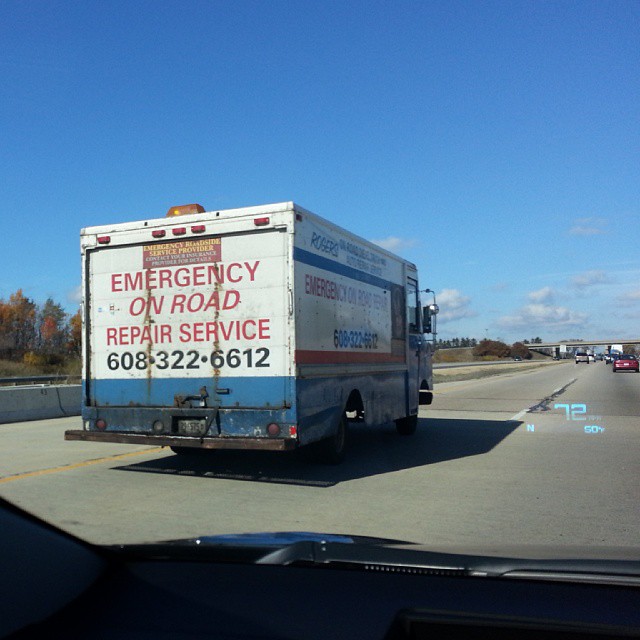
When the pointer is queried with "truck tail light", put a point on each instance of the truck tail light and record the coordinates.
(101, 424)
(293, 431)
(261, 222)
(104, 239)
(158, 426)
(273, 429)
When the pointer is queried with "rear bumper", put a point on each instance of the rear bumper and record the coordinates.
(263, 444)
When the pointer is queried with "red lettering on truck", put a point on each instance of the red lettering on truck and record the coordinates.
(224, 331)
(136, 334)
(196, 302)
(185, 276)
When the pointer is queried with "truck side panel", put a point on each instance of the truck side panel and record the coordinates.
(350, 328)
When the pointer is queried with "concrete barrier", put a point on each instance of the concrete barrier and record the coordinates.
(18, 404)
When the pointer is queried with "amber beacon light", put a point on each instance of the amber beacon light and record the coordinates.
(184, 209)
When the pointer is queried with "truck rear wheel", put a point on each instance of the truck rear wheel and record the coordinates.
(331, 450)
(407, 426)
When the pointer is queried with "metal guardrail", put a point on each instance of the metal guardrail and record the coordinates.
(13, 381)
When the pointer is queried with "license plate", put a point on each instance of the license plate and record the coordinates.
(192, 427)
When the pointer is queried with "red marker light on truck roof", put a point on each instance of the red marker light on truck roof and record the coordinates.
(185, 209)
(104, 239)
(179, 231)
(159, 233)
(198, 228)
(261, 222)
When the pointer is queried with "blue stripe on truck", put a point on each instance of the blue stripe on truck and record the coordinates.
(313, 260)
(251, 391)
(316, 405)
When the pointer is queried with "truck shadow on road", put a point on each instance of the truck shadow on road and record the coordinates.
(371, 451)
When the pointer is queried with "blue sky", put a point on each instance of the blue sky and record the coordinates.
(494, 144)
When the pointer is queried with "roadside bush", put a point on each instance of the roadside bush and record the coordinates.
(520, 349)
(43, 359)
(493, 348)
(33, 359)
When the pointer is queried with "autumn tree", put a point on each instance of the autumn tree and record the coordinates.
(53, 328)
(520, 349)
(38, 334)
(6, 341)
(74, 345)
(17, 324)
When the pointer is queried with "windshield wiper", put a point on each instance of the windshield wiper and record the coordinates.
(360, 553)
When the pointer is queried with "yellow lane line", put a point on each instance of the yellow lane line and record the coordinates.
(78, 465)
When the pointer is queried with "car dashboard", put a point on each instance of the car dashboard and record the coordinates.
(54, 585)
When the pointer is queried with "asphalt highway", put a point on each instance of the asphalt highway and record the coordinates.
(546, 458)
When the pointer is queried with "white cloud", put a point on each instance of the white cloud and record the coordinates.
(75, 295)
(589, 279)
(393, 243)
(546, 294)
(588, 227)
(631, 296)
(538, 316)
(453, 305)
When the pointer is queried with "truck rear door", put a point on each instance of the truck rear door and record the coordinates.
(200, 321)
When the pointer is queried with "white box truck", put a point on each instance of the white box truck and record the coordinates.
(265, 327)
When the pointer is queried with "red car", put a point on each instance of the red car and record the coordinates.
(626, 362)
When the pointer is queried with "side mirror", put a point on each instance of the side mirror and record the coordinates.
(426, 320)
(428, 317)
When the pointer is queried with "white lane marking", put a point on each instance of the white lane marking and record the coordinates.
(553, 394)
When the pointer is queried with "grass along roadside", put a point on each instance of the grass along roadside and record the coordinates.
(471, 373)
(9, 369)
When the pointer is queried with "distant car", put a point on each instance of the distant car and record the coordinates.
(582, 356)
(626, 362)
(517, 358)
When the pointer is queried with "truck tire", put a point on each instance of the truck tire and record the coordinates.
(407, 426)
(331, 450)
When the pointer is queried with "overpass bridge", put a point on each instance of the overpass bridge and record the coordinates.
(585, 343)
(555, 346)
